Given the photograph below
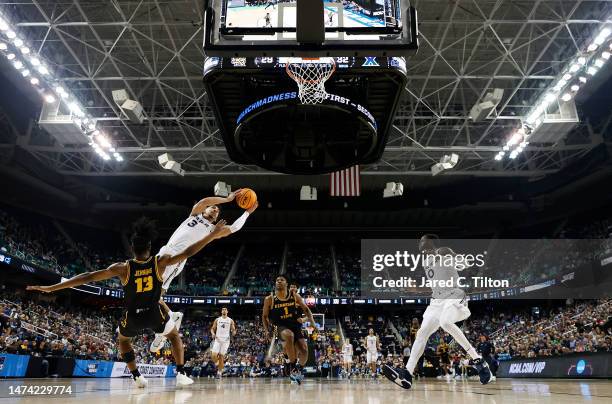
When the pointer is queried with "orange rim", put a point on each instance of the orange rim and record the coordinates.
(299, 80)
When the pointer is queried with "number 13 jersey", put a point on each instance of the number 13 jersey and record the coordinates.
(143, 287)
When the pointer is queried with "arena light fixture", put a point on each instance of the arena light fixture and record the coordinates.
(16, 49)
(587, 63)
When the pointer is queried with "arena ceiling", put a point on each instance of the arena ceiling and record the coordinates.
(153, 49)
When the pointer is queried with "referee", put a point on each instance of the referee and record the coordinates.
(487, 349)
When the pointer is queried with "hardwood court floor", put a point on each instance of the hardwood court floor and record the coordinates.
(320, 391)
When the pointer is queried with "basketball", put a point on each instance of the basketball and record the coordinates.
(246, 199)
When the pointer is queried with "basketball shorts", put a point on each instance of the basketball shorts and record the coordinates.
(220, 347)
(295, 329)
(171, 271)
(371, 357)
(133, 322)
(453, 310)
(445, 359)
(347, 358)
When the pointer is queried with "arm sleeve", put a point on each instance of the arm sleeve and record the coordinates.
(237, 225)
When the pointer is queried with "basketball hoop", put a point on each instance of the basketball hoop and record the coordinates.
(310, 74)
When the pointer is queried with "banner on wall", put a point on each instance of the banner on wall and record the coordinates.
(120, 369)
(568, 366)
(13, 365)
(90, 368)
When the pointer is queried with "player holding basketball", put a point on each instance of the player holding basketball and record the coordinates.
(372, 347)
(141, 278)
(282, 309)
(447, 306)
(220, 330)
(199, 223)
(347, 357)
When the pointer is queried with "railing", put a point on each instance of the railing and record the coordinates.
(55, 315)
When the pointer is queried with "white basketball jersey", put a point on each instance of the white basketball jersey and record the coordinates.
(192, 230)
(224, 325)
(440, 268)
(371, 343)
(347, 349)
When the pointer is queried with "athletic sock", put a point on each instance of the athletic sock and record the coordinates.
(473, 354)
(180, 369)
(135, 373)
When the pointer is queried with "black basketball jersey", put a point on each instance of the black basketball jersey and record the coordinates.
(285, 312)
(143, 287)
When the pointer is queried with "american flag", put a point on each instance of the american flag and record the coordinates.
(346, 182)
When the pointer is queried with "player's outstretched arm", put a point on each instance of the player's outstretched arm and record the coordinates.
(306, 310)
(265, 316)
(220, 230)
(237, 225)
(118, 269)
(201, 206)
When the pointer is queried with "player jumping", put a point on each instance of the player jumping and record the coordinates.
(282, 309)
(199, 223)
(220, 330)
(141, 278)
(447, 306)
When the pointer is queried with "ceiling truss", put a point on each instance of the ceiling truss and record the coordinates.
(152, 48)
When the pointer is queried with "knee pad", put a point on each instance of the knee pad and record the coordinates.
(129, 356)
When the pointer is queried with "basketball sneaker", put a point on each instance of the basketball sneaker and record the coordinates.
(183, 380)
(160, 340)
(399, 376)
(484, 373)
(140, 382)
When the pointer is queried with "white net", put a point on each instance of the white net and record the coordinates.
(310, 76)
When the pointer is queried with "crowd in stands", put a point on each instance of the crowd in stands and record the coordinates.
(257, 267)
(310, 267)
(76, 249)
(349, 268)
(40, 327)
(580, 327)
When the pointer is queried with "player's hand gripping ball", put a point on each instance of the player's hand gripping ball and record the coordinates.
(246, 198)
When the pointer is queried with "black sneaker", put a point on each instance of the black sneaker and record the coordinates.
(483, 370)
(399, 376)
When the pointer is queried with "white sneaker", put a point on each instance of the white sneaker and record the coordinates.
(140, 382)
(177, 317)
(493, 378)
(158, 343)
(183, 380)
